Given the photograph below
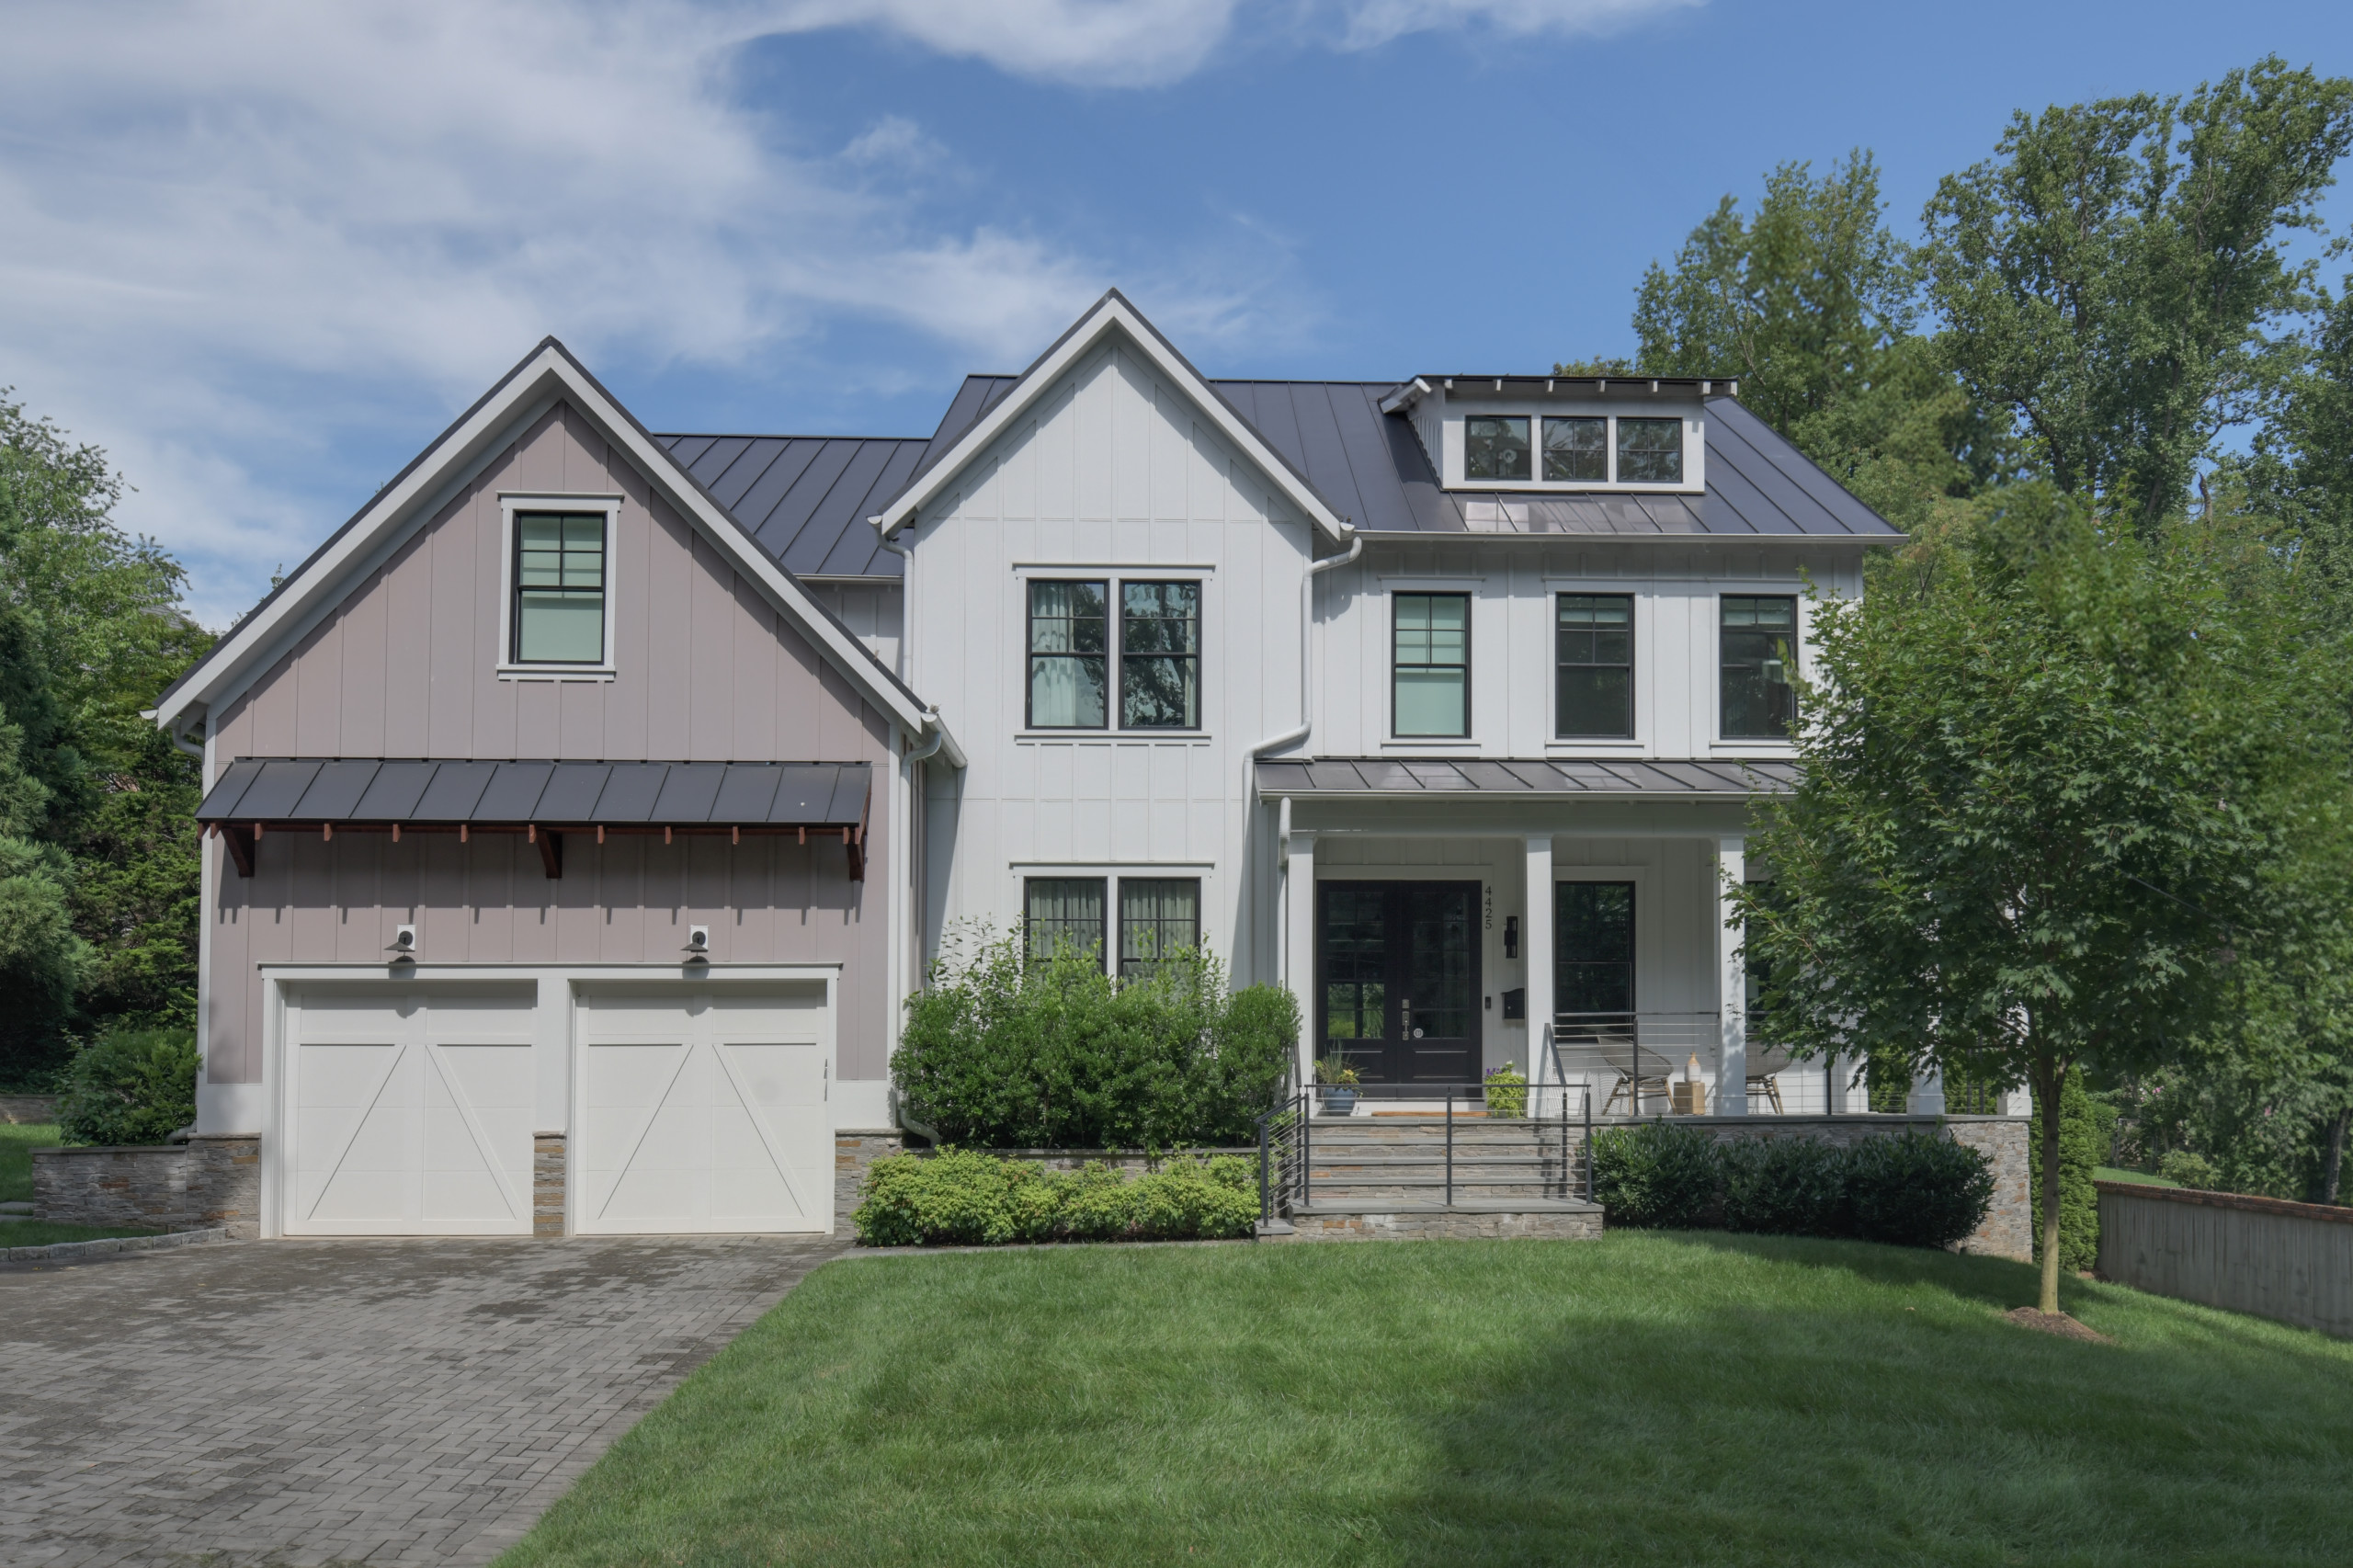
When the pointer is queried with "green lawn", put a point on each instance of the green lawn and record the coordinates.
(2115, 1173)
(1648, 1398)
(41, 1232)
(18, 1142)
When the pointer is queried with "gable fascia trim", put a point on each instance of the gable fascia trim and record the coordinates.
(548, 374)
(1110, 314)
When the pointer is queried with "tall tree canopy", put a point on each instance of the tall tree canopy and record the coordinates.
(2062, 789)
(2111, 276)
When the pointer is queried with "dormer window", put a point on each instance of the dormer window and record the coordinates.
(1496, 445)
(1577, 451)
(1650, 451)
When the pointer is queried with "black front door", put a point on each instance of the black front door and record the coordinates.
(1398, 996)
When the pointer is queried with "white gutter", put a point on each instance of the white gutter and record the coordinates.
(1306, 724)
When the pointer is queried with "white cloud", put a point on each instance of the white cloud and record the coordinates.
(1371, 23)
(242, 240)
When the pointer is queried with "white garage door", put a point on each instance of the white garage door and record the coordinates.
(408, 1112)
(703, 1111)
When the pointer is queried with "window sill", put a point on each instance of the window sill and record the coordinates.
(1441, 744)
(1596, 748)
(1751, 748)
(558, 672)
(1151, 737)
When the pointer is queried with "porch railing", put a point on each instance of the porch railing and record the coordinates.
(1425, 1150)
(1634, 1061)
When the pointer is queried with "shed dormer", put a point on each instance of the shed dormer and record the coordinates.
(1552, 434)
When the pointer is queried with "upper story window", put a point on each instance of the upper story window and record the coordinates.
(1432, 672)
(1160, 655)
(1495, 446)
(1072, 651)
(1577, 451)
(1759, 647)
(1650, 451)
(558, 609)
(1593, 642)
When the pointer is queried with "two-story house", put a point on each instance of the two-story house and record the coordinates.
(576, 829)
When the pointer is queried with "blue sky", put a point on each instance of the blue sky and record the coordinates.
(263, 252)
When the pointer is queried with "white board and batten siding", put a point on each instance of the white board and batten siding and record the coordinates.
(1113, 472)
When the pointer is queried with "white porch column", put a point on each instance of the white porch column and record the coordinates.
(1847, 1098)
(1927, 1096)
(1299, 942)
(1536, 947)
(1732, 980)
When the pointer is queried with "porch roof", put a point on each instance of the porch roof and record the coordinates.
(429, 792)
(1647, 778)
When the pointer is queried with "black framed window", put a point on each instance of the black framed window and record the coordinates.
(1160, 655)
(1432, 674)
(1650, 451)
(1495, 446)
(559, 611)
(1055, 910)
(1577, 451)
(1593, 643)
(1158, 917)
(1759, 648)
(1069, 656)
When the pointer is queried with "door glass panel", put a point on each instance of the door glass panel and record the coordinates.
(1593, 928)
(1356, 962)
(1439, 976)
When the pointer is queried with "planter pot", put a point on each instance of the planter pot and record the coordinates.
(1338, 1101)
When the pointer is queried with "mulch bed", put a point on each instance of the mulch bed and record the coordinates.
(2059, 1324)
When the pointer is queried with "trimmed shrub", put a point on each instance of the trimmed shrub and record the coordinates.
(1917, 1190)
(131, 1086)
(1659, 1175)
(963, 1197)
(2182, 1166)
(1791, 1186)
(2079, 1147)
(1506, 1091)
(1004, 1054)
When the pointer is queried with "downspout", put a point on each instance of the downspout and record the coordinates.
(906, 600)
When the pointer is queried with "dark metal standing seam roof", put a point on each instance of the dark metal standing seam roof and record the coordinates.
(1657, 779)
(806, 499)
(553, 794)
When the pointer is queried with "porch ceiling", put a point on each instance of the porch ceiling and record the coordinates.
(1422, 778)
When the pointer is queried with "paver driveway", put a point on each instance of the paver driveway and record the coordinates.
(386, 1401)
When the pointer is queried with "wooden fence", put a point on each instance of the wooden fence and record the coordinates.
(2289, 1261)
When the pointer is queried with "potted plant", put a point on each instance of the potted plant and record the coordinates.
(1336, 1085)
(1506, 1091)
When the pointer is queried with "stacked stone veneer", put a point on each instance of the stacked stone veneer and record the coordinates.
(547, 1184)
(854, 1150)
(2008, 1230)
(205, 1182)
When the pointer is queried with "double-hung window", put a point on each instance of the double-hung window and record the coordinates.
(1072, 652)
(558, 616)
(1758, 649)
(1432, 674)
(1159, 917)
(1593, 652)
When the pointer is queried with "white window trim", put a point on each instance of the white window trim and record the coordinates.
(1111, 576)
(1455, 441)
(512, 502)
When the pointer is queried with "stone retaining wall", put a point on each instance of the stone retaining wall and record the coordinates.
(208, 1181)
(854, 1150)
(28, 1110)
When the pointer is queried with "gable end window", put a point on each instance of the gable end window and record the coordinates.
(1650, 451)
(559, 608)
(1495, 446)
(1160, 655)
(1432, 674)
(1758, 649)
(1593, 654)
(1069, 656)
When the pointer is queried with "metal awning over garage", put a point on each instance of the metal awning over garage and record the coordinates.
(1370, 777)
(543, 801)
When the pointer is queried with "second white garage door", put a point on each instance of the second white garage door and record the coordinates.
(703, 1111)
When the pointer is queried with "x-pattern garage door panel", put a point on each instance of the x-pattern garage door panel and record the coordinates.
(705, 1112)
(409, 1114)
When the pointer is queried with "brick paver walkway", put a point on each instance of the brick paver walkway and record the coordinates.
(303, 1402)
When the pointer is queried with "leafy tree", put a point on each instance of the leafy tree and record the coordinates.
(2300, 471)
(2111, 276)
(2056, 782)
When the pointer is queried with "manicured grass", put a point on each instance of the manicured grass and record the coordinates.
(2113, 1173)
(18, 1142)
(41, 1232)
(1649, 1398)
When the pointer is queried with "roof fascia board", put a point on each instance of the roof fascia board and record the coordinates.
(1111, 313)
(546, 374)
(1549, 536)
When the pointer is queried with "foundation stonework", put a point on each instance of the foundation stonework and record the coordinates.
(547, 1184)
(854, 1150)
(205, 1182)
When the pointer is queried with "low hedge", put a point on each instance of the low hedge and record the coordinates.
(1916, 1189)
(964, 1197)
